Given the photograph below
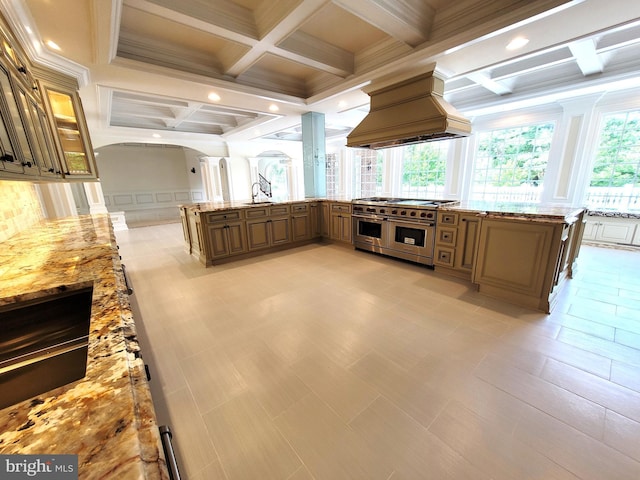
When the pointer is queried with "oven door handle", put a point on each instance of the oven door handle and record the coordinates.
(372, 218)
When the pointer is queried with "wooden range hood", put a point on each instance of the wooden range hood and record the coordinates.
(410, 111)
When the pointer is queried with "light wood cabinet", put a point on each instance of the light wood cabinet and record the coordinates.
(456, 243)
(300, 222)
(340, 227)
(226, 240)
(43, 133)
(325, 219)
(268, 226)
(222, 235)
(66, 115)
(315, 218)
(526, 262)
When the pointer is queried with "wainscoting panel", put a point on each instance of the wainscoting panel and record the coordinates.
(150, 207)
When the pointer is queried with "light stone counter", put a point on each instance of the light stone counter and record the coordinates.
(522, 211)
(107, 418)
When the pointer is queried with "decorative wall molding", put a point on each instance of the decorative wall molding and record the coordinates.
(151, 206)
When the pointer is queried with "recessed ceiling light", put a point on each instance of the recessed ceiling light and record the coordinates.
(342, 104)
(214, 97)
(273, 107)
(156, 135)
(53, 45)
(517, 43)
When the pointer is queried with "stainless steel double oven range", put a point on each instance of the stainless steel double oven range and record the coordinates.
(398, 227)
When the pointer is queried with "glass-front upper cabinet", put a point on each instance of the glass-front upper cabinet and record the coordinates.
(65, 111)
(39, 132)
(18, 157)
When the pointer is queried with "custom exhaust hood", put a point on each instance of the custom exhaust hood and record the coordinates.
(406, 112)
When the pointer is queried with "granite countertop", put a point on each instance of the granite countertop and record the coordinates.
(522, 211)
(107, 418)
(217, 206)
(614, 214)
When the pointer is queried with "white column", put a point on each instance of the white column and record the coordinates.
(567, 168)
(95, 197)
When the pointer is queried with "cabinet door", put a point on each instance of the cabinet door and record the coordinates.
(21, 152)
(315, 220)
(345, 228)
(590, 229)
(615, 232)
(237, 238)
(8, 160)
(257, 234)
(37, 160)
(300, 226)
(325, 219)
(469, 232)
(514, 256)
(218, 245)
(49, 166)
(280, 230)
(72, 135)
(335, 227)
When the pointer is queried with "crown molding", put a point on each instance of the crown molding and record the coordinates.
(20, 21)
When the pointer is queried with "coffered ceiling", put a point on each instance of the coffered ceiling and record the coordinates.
(151, 65)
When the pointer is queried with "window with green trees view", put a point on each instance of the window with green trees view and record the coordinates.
(615, 176)
(423, 170)
(510, 163)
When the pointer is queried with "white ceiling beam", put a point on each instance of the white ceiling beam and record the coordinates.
(287, 23)
(408, 21)
(483, 79)
(586, 56)
(225, 15)
(181, 115)
(316, 53)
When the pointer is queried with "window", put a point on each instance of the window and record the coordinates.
(510, 163)
(368, 173)
(423, 170)
(614, 179)
(332, 174)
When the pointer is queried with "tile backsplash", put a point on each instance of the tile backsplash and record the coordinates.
(19, 207)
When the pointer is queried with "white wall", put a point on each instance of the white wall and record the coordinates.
(149, 181)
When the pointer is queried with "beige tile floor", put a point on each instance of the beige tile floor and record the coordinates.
(327, 363)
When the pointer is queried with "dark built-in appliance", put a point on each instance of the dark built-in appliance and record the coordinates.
(398, 227)
(44, 343)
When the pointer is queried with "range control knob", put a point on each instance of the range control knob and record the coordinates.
(382, 210)
(423, 214)
(429, 215)
(413, 214)
(394, 212)
(403, 212)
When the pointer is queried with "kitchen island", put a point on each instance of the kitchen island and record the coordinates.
(107, 418)
(224, 231)
(521, 253)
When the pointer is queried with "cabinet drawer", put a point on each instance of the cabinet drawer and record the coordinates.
(279, 210)
(257, 212)
(299, 208)
(446, 236)
(444, 256)
(341, 207)
(446, 218)
(223, 216)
